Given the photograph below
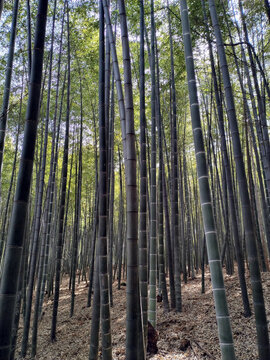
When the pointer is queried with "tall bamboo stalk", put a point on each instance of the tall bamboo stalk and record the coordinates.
(102, 230)
(29, 37)
(62, 202)
(228, 172)
(222, 313)
(133, 310)
(10, 277)
(36, 238)
(116, 71)
(143, 185)
(152, 316)
(174, 182)
(257, 291)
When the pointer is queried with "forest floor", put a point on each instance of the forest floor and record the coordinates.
(195, 326)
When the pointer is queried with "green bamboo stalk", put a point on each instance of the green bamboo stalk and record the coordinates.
(95, 323)
(228, 173)
(77, 218)
(174, 182)
(53, 163)
(116, 71)
(95, 220)
(257, 291)
(143, 258)
(120, 225)
(222, 313)
(152, 316)
(133, 330)
(111, 185)
(37, 224)
(62, 201)
(29, 38)
(102, 233)
(161, 260)
(10, 277)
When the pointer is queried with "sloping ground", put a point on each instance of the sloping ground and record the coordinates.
(189, 335)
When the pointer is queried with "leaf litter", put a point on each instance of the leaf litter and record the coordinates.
(191, 334)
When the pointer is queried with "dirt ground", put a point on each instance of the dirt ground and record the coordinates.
(195, 326)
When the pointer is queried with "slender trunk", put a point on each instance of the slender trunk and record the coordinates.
(253, 206)
(95, 221)
(7, 88)
(152, 316)
(38, 215)
(62, 203)
(228, 172)
(19, 298)
(53, 165)
(120, 226)
(222, 313)
(111, 203)
(257, 291)
(161, 262)
(11, 269)
(133, 310)
(261, 108)
(3, 236)
(117, 76)
(102, 230)
(143, 258)
(95, 323)
(168, 238)
(203, 263)
(77, 207)
(29, 37)
(174, 183)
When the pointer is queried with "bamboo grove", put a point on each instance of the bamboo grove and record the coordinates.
(134, 148)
